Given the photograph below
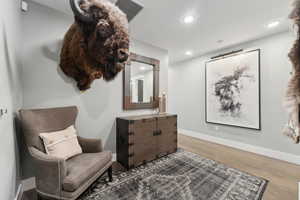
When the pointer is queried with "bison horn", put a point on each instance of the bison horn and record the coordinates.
(78, 12)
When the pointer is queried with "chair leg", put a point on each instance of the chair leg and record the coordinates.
(109, 171)
(39, 197)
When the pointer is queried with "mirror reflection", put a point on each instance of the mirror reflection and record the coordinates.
(141, 82)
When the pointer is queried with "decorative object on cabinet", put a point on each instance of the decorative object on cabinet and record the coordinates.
(97, 44)
(162, 104)
(233, 90)
(141, 83)
(141, 139)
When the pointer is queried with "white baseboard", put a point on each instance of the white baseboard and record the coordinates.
(19, 192)
(287, 157)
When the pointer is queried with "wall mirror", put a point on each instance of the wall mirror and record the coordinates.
(141, 83)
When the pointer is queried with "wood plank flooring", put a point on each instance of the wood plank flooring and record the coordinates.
(283, 177)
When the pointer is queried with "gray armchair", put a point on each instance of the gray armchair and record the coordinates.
(57, 178)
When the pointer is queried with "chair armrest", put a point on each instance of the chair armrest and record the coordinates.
(90, 145)
(50, 172)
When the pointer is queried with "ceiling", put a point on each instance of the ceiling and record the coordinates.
(232, 21)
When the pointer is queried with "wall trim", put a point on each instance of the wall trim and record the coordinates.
(287, 157)
(19, 193)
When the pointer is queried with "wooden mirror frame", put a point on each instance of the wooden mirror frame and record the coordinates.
(127, 104)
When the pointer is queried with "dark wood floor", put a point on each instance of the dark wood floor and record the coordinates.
(283, 176)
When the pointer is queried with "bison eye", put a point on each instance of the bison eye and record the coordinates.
(104, 29)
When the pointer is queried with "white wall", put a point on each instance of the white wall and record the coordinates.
(147, 78)
(148, 86)
(10, 96)
(187, 95)
(45, 85)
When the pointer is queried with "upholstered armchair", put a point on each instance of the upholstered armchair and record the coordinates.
(58, 178)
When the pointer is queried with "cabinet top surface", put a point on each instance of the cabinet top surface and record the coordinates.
(140, 117)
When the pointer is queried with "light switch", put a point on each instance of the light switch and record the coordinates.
(24, 6)
(3, 112)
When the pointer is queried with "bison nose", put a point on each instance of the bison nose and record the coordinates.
(122, 55)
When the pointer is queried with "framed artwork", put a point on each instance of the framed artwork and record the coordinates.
(233, 90)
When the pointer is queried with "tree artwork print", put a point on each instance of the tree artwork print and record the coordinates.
(233, 90)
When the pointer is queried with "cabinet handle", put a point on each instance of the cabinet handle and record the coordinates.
(131, 133)
(131, 155)
(157, 133)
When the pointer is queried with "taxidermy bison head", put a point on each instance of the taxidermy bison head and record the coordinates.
(97, 44)
(294, 55)
(295, 14)
(292, 98)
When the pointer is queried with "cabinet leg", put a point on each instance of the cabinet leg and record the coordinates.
(109, 171)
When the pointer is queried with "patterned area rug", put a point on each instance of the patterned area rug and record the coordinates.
(180, 176)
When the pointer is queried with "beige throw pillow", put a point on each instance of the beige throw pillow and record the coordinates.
(62, 144)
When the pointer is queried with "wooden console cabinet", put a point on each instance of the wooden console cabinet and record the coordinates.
(141, 139)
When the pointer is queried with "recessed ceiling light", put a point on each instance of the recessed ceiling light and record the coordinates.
(188, 19)
(273, 24)
(188, 53)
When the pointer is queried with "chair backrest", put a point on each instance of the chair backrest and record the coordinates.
(38, 121)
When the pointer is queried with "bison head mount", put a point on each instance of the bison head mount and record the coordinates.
(97, 44)
(294, 54)
(292, 97)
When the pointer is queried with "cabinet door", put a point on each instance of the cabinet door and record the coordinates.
(144, 144)
(167, 137)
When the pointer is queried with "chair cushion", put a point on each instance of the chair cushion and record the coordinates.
(82, 167)
(62, 144)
